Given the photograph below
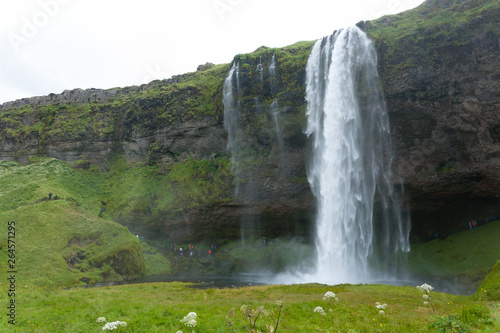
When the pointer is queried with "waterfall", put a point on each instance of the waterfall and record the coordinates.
(232, 119)
(260, 70)
(272, 74)
(360, 228)
(274, 109)
(277, 128)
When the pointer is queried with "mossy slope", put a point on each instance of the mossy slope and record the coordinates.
(59, 242)
(469, 254)
(490, 286)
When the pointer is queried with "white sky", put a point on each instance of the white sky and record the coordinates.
(48, 46)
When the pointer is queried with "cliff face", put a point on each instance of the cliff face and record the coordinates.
(442, 84)
(440, 69)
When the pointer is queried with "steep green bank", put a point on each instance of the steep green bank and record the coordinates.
(490, 286)
(62, 241)
(465, 257)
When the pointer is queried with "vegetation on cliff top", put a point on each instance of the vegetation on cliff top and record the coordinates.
(436, 32)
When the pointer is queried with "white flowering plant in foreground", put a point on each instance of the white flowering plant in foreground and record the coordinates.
(114, 325)
(111, 326)
(426, 289)
(330, 298)
(190, 320)
(381, 307)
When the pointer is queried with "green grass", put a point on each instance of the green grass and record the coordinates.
(469, 252)
(156, 263)
(159, 307)
(49, 233)
(150, 194)
(490, 286)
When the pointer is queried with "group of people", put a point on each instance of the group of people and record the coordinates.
(181, 250)
(55, 197)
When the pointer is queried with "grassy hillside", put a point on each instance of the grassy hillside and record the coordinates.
(490, 286)
(59, 242)
(469, 252)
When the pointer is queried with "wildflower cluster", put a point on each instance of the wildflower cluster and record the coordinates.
(330, 298)
(381, 307)
(189, 320)
(320, 310)
(329, 295)
(114, 325)
(483, 294)
(426, 289)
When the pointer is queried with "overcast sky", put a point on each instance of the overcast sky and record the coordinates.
(48, 46)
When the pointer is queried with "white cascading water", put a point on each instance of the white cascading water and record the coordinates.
(231, 119)
(360, 229)
(274, 108)
(260, 70)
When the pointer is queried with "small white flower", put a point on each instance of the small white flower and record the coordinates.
(380, 306)
(190, 319)
(113, 325)
(426, 303)
(178, 332)
(320, 310)
(425, 288)
(101, 320)
(328, 295)
(381, 312)
(425, 297)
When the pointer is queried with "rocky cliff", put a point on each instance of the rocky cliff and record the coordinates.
(439, 65)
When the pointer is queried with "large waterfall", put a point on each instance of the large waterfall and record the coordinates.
(360, 230)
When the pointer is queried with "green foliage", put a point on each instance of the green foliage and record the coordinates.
(490, 286)
(472, 252)
(152, 194)
(450, 323)
(156, 263)
(276, 255)
(471, 316)
(52, 232)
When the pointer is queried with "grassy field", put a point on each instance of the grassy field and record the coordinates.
(159, 307)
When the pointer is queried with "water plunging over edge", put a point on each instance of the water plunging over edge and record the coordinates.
(360, 228)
